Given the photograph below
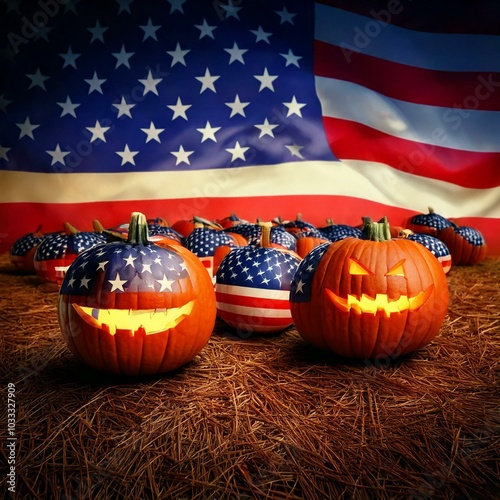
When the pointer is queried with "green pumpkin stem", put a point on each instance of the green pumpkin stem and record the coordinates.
(138, 229)
(376, 231)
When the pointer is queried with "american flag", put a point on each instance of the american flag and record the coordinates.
(179, 107)
(252, 289)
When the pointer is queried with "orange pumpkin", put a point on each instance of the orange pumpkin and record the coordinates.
(307, 241)
(369, 298)
(466, 244)
(136, 308)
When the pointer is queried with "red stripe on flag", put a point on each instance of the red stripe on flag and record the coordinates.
(351, 140)
(463, 90)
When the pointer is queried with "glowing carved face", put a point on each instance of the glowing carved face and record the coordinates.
(151, 321)
(381, 302)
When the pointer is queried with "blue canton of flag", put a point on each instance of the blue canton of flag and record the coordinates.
(164, 85)
(301, 285)
(126, 269)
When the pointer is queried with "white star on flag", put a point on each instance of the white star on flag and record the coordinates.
(291, 58)
(98, 131)
(124, 108)
(237, 107)
(127, 155)
(150, 30)
(95, 83)
(208, 132)
(182, 156)
(178, 55)
(97, 32)
(261, 35)
(122, 57)
(150, 83)
(37, 79)
(207, 81)
(238, 152)
(70, 58)
(27, 128)
(266, 80)
(68, 108)
(285, 16)
(295, 150)
(294, 107)
(153, 133)
(266, 128)
(57, 155)
(179, 109)
(205, 29)
(236, 54)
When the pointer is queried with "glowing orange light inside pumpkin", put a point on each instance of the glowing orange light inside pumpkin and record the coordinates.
(380, 302)
(150, 321)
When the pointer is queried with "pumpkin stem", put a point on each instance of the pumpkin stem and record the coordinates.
(98, 227)
(70, 229)
(376, 231)
(329, 222)
(138, 229)
(265, 238)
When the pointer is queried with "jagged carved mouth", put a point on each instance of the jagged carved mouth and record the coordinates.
(372, 305)
(150, 321)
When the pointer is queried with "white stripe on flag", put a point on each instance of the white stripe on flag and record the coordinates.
(415, 122)
(439, 51)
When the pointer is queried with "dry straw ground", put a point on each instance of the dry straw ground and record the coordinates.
(263, 417)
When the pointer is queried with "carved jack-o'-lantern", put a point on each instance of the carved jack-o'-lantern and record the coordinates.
(369, 298)
(136, 308)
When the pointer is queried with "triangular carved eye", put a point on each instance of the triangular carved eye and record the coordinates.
(397, 269)
(357, 268)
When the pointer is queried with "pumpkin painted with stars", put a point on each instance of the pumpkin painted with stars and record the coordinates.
(24, 248)
(369, 298)
(57, 251)
(467, 245)
(134, 308)
(252, 287)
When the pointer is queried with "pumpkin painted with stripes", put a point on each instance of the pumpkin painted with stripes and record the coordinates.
(369, 298)
(135, 308)
(252, 287)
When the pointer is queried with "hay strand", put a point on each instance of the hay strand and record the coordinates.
(264, 417)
